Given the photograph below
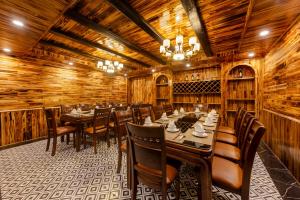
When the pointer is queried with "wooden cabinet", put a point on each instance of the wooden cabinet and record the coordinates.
(162, 90)
(240, 91)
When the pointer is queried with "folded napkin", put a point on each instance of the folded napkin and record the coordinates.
(148, 120)
(181, 110)
(171, 125)
(213, 111)
(208, 120)
(164, 116)
(197, 110)
(74, 111)
(199, 127)
(78, 110)
(176, 112)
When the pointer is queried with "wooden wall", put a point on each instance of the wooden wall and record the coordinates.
(281, 100)
(26, 85)
(141, 89)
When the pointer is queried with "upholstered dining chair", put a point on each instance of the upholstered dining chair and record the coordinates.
(237, 120)
(232, 152)
(100, 127)
(157, 112)
(121, 118)
(148, 159)
(232, 138)
(54, 131)
(236, 177)
(168, 108)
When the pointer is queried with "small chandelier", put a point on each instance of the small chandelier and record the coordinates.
(109, 66)
(179, 53)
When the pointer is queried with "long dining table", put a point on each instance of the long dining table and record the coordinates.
(197, 152)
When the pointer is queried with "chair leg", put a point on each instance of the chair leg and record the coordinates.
(62, 138)
(68, 138)
(84, 140)
(119, 161)
(107, 138)
(54, 146)
(48, 143)
(95, 143)
(245, 193)
(74, 139)
(115, 134)
(164, 193)
(134, 188)
(177, 187)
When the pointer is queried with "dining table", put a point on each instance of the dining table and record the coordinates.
(196, 151)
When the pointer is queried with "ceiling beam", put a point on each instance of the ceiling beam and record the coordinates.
(78, 39)
(75, 16)
(247, 19)
(134, 16)
(73, 50)
(198, 25)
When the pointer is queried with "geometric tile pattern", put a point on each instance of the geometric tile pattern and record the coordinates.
(28, 172)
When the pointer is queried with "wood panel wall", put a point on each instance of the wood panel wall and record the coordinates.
(281, 100)
(141, 90)
(26, 85)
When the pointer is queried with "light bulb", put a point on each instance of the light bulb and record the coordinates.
(179, 39)
(192, 41)
(166, 43)
(116, 63)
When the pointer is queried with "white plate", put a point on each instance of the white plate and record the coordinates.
(194, 133)
(205, 124)
(148, 124)
(164, 119)
(173, 131)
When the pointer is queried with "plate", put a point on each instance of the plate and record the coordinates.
(164, 119)
(173, 131)
(148, 124)
(205, 124)
(194, 133)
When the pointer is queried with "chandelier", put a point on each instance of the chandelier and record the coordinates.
(109, 66)
(179, 53)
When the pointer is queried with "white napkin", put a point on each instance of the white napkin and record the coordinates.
(164, 116)
(197, 110)
(208, 120)
(148, 120)
(109, 106)
(210, 115)
(97, 107)
(78, 110)
(181, 110)
(200, 105)
(74, 111)
(199, 127)
(92, 111)
(176, 112)
(121, 104)
(213, 111)
(171, 125)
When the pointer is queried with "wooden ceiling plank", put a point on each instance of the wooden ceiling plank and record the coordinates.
(73, 50)
(78, 39)
(198, 25)
(134, 16)
(75, 16)
(247, 19)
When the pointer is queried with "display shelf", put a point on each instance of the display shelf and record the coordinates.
(241, 79)
(162, 84)
(197, 87)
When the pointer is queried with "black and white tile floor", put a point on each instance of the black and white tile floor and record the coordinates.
(28, 172)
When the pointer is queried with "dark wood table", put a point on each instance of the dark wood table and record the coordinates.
(199, 157)
(79, 120)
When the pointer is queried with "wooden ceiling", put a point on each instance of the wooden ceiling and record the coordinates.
(131, 31)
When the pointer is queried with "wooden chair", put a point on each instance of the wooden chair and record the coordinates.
(121, 108)
(168, 108)
(121, 117)
(232, 152)
(230, 138)
(65, 109)
(157, 112)
(236, 177)
(143, 113)
(148, 159)
(54, 131)
(100, 127)
(237, 120)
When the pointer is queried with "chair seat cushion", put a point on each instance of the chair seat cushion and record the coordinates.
(226, 129)
(65, 129)
(123, 146)
(227, 151)
(99, 130)
(226, 173)
(227, 138)
(171, 172)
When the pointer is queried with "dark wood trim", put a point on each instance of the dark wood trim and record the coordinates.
(73, 50)
(247, 19)
(22, 143)
(78, 39)
(134, 16)
(198, 24)
(75, 16)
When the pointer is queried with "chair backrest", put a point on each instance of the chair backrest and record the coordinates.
(237, 118)
(148, 153)
(254, 135)
(157, 112)
(101, 117)
(51, 121)
(168, 108)
(241, 121)
(248, 120)
(120, 108)
(143, 113)
(121, 118)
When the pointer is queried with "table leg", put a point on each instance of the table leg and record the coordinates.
(78, 134)
(205, 182)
